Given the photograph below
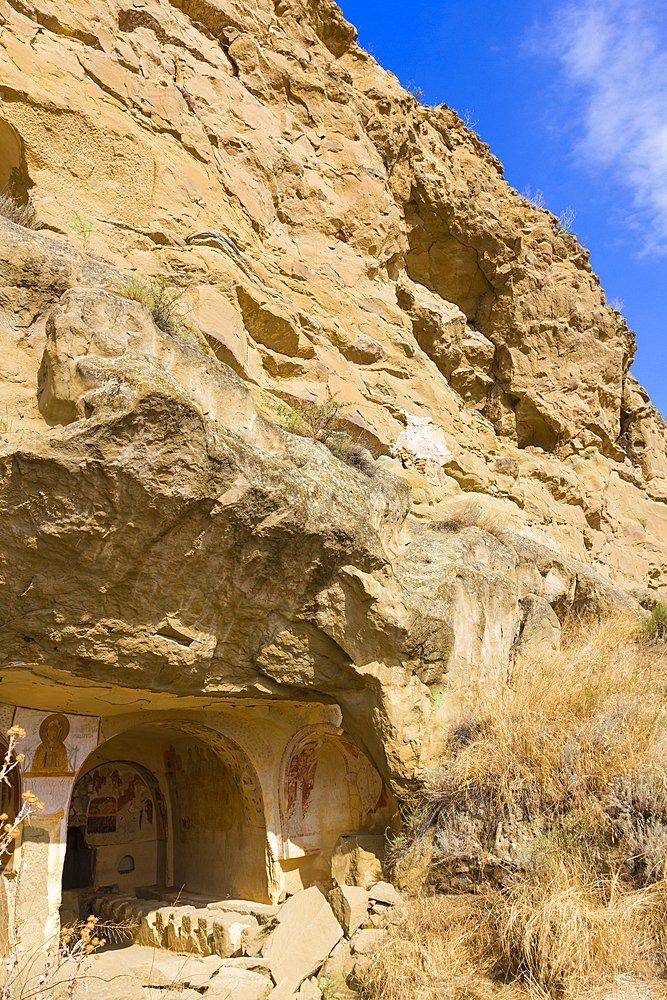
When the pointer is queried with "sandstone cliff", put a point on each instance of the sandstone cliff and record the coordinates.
(332, 236)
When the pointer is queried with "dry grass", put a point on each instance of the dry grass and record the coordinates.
(159, 296)
(553, 800)
(466, 948)
(469, 515)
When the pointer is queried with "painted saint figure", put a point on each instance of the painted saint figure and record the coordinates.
(51, 754)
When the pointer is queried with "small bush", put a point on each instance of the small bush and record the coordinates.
(83, 227)
(320, 421)
(654, 626)
(160, 298)
(308, 418)
(20, 215)
(566, 221)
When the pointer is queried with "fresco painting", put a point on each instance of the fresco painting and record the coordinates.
(55, 746)
(328, 788)
(210, 754)
(51, 755)
(207, 796)
(115, 805)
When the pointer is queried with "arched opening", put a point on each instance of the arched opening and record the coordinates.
(218, 815)
(328, 789)
(116, 806)
(166, 809)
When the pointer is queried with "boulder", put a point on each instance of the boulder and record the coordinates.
(367, 940)
(310, 990)
(538, 631)
(357, 860)
(262, 912)
(232, 933)
(340, 963)
(298, 941)
(164, 968)
(245, 962)
(384, 892)
(350, 906)
(364, 351)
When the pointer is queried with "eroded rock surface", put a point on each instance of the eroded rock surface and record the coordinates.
(160, 530)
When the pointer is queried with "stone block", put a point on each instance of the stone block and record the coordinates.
(367, 941)
(384, 892)
(197, 931)
(158, 992)
(350, 906)
(165, 969)
(283, 991)
(302, 936)
(309, 990)
(262, 912)
(357, 860)
(260, 965)
(231, 934)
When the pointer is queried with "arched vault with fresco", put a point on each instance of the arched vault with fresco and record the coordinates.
(166, 806)
(328, 789)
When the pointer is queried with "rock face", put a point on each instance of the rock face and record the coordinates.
(161, 532)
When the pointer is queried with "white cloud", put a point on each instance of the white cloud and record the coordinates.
(614, 60)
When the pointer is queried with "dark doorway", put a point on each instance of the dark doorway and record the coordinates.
(78, 867)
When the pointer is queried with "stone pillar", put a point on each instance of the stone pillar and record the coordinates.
(55, 747)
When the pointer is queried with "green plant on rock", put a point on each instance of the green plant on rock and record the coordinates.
(160, 298)
(330, 987)
(308, 418)
(20, 215)
(83, 227)
(321, 422)
(654, 626)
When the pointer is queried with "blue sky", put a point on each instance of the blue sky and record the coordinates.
(573, 100)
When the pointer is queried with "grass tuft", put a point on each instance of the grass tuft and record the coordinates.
(653, 627)
(469, 515)
(321, 422)
(160, 298)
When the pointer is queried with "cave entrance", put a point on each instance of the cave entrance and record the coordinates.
(165, 809)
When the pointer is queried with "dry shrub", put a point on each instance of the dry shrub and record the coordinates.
(20, 215)
(571, 756)
(469, 515)
(321, 422)
(433, 953)
(160, 298)
(553, 803)
(565, 935)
